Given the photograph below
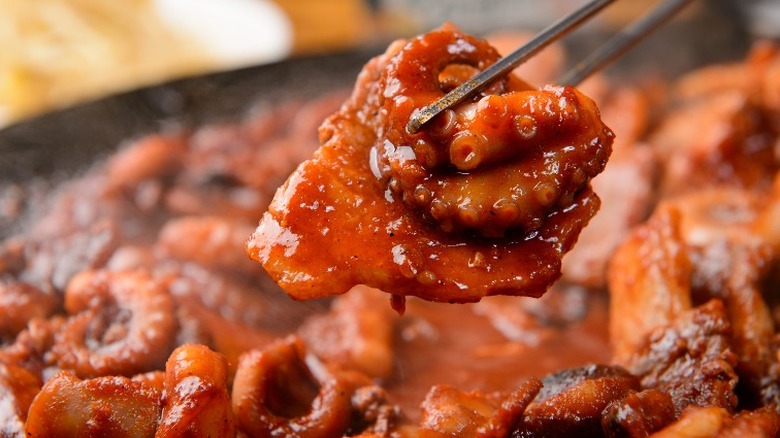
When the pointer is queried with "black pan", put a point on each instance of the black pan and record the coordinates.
(61, 142)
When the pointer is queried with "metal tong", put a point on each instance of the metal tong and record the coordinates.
(602, 56)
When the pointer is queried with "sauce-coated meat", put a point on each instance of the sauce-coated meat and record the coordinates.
(127, 307)
(484, 201)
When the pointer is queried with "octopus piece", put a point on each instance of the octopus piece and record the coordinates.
(19, 303)
(121, 323)
(721, 254)
(639, 414)
(270, 166)
(751, 76)
(626, 189)
(721, 138)
(277, 393)
(51, 263)
(484, 201)
(450, 412)
(374, 414)
(18, 388)
(235, 168)
(691, 359)
(356, 334)
(196, 400)
(650, 270)
(239, 300)
(227, 156)
(30, 349)
(731, 262)
(572, 402)
(714, 422)
(549, 142)
(152, 157)
(224, 196)
(104, 406)
(212, 242)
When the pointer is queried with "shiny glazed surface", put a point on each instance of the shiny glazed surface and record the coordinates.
(484, 202)
(664, 322)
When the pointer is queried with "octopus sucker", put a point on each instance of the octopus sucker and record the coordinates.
(508, 171)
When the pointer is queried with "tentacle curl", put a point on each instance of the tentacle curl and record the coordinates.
(121, 323)
(505, 161)
(276, 394)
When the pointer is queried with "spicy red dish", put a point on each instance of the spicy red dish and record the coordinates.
(128, 306)
(485, 202)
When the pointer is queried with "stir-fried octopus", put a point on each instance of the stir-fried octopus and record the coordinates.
(484, 201)
(128, 307)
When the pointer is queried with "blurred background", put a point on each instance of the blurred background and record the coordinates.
(57, 53)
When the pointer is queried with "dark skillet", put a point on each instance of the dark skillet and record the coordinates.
(67, 140)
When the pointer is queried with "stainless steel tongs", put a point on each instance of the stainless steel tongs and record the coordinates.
(598, 59)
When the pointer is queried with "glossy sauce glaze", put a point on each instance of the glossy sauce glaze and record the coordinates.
(484, 202)
(127, 307)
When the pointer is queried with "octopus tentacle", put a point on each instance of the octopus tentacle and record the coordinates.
(121, 323)
(312, 407)
(502, 162)
(650, 270)
(196, 402)
(573, 401)
(447, 411)
(357, 333)
(444, 213)
(18, 388)
(21, 302)
(30, 349)
(693, 249)
(425, 59)
(104, 406)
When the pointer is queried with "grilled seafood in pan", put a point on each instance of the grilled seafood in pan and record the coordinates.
(128, 308)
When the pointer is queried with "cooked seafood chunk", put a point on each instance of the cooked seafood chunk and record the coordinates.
(483, 201)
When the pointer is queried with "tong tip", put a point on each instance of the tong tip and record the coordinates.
(414, 125)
